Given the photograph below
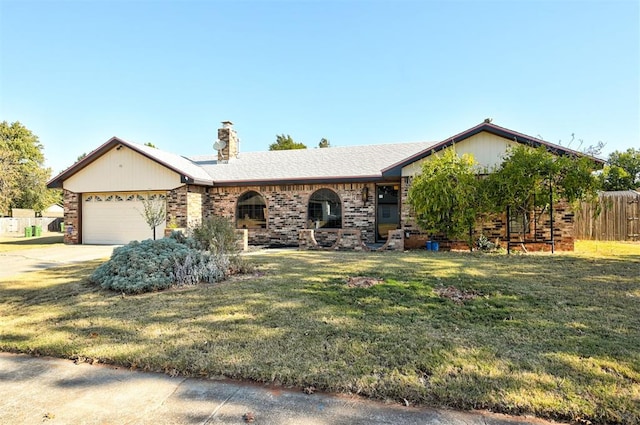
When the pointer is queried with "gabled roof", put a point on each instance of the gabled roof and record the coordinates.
(305, 166)
(493, 129)
(343, 163)
(188, 171)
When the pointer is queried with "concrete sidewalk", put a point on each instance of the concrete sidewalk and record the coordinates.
(45, 390)
(26, 260)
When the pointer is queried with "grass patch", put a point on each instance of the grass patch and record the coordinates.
(553, 336)
(17, 244)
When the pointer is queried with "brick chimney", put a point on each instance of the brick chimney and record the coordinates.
(228, 142)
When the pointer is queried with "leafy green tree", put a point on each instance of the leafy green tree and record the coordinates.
(450, 196)
(444, 196)
(520, 182)
(285, 143)
(622, 171)
(528, 178)
(324, 143)
(27, 176)
(9, 176)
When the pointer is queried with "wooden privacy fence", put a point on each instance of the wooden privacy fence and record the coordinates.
(619, 218)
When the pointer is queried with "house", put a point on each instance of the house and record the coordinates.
(54, 210)
(273, 195)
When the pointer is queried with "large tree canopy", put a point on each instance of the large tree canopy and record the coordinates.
(9, 173)
(450, 195)
(283, 143)
(24, 176)
(622, 171)
(528, 177)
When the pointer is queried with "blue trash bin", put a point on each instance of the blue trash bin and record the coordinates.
(428, 245)
(435, 246)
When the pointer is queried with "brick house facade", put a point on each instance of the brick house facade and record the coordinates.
(276, 191)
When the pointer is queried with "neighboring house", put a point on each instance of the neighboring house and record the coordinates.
(54, 210)
(273, 194)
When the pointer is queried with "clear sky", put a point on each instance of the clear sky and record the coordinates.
(354, 72)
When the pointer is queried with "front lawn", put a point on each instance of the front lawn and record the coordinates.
(8, 244)
(557, 336)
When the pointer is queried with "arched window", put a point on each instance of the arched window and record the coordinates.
(325, 210)
(251, 212)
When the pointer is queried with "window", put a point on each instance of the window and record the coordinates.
(251, 212)
(325, 210)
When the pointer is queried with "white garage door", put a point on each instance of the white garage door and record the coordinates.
(117, 218)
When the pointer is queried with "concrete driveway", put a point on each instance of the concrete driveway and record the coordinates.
(26, 260)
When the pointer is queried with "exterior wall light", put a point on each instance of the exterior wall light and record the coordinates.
(365, 194)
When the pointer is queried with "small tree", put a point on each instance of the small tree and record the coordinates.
(444, 196)
(520, 183)
(528, 177)
(533, 179)
(154, 212)
(285, 143)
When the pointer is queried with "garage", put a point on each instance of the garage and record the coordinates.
(113, 218)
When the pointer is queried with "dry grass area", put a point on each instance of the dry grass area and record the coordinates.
(555, 336)
(13, 243)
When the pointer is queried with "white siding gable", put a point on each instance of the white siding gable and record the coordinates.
(487, 149)
(122, 170)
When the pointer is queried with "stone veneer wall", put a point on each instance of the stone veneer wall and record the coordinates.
(494, 227)
(72, 215)
(287, 211)
(198, 206)
(188, 205)
(177, 206)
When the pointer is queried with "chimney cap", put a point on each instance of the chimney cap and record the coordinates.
(226, 124)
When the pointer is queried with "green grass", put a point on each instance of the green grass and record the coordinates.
(553, 336)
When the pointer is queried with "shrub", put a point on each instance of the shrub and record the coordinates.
(216, 234)
(484, 244)
(154, 265)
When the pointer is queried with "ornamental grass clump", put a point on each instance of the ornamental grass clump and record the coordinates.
(154, 265)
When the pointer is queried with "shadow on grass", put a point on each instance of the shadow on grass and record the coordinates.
(554, 336)
(45, 240)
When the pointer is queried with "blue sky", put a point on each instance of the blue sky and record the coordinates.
(354, 72)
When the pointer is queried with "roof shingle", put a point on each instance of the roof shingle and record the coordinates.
(341, 163)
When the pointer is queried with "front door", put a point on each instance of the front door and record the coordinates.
(388, 213)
